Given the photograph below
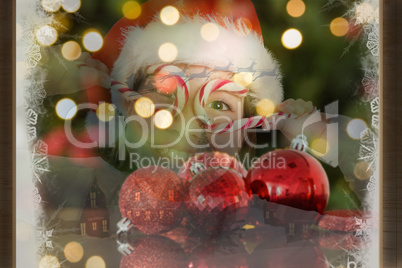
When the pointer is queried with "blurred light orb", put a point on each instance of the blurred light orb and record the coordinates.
(66, 108)
(295, 8)
(209, 32)
(92, 41)
(364, 13)
(362, 170)
(49, 261)
(339, 26)
(163, 119)
(144, 107)
(95, 262)
(292, 38)
(265, 107)
(51, 5)
(131, 10)
(46, 35)
(23, 231)
(169, 15)
(319, 147)
(105, 112)
(71, 50)
(355, 128)
(73, 252)
(71, 6)
(19, 31)
(167, 52)
(243, 78)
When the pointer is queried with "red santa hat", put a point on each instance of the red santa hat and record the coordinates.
(132, 44)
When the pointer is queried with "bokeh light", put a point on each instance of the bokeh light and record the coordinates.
(355, 128)
(165, 83)
(244, 78)
(66, 108)
(339, 26)
(92, 41)
(19, 31)
(364, 13)
(319, 147)
(209, 32)
(362, 170)
(265, 107)
(71, 50)
(167, 52)
(95, 262)
(71, 6)
(46, 35)
(73, 252)
(49, 261)
(163, 119)
(23, 231)
(144, 107)
(131, 10)
(295, 8)
(51, 5)
(292, 38)
(105, 112)
(170, 15)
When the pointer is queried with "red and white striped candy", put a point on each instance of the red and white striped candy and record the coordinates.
(210, 87)
(200, 102)
(182, 90)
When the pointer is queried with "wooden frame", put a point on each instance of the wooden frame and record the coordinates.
(391, 141)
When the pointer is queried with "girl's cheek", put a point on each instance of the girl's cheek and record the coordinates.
(229, 143)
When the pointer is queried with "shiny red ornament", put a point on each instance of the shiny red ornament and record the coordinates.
(202, 161)
(154, 251)
(152, 199)
(292, 178)
(218, 201)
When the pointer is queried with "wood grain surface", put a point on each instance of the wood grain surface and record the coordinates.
(7, 118)
(391, 136)
(392, 132)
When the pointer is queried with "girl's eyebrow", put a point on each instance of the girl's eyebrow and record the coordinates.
(227, 92)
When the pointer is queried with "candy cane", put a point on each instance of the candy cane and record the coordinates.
(182, 94)
(182, 90)
(251, 122)
(240, 124)
(210, 87)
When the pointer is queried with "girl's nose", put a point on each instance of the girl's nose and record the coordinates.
(186, 123)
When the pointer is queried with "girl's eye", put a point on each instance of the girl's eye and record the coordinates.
(219, 105)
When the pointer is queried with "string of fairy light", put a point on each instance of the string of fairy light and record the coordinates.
(92, 41)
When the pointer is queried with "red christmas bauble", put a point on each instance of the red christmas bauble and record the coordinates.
(152, 198)
(292, 178)
(154, 251)
(218, 200)
(202, 161)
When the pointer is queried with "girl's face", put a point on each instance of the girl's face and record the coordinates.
(186, 135)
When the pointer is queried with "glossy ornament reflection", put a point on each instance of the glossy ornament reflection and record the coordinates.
(292, 178)
(154, 251)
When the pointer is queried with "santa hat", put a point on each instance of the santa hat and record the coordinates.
(132, 45)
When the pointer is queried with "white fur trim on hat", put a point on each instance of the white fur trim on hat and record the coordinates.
(236, 48)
